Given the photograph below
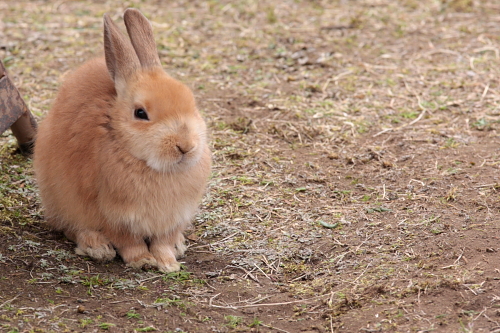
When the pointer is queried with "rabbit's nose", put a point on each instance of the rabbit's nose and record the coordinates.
(185, 147)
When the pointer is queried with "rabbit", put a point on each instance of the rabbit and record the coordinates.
(122, 158)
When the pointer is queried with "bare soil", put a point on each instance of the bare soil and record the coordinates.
(355, 183)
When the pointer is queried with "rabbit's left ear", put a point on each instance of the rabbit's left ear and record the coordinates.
(121, 59)
(140, 32)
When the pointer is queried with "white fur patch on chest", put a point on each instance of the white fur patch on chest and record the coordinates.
(154, 208)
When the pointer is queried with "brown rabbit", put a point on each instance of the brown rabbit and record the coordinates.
(122, 158)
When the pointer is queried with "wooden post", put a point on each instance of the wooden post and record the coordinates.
(15, 114)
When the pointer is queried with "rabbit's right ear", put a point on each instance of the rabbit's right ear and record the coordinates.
(141, 35)
(121, 58)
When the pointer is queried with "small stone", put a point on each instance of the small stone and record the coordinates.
(387, 164)
(333, 156)
(192, 237)
(212, 274)
(304, 61)
(80, 309)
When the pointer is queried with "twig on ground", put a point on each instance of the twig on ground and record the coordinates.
(423, 108)
(485, 91)
(485, 185)
(9, 301)
(147, 279)
(123, 301)
(262, 272)
(270, 266)
(274, 328)
(247, 273)
(263, 304)
(457, 261)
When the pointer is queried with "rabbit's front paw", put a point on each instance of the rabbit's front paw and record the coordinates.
(135, 253)
(164, 251)
(103, 252)
(94, 245)
(144, 262)
(180, 248)
(171, 267)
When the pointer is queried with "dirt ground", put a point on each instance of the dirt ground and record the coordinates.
(355, 182)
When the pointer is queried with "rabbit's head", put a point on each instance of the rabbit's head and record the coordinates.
(154, 115)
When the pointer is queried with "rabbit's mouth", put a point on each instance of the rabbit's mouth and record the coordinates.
(187, 160)
(182, 162)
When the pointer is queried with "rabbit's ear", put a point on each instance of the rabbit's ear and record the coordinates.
(121, 59)
(141, 34)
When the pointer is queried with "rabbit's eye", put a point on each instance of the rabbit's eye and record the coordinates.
(140, 113)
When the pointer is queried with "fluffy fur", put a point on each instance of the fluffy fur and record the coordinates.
(110, 180)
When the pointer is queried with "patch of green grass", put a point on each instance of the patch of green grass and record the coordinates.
(59, 254)
(133, 315)
(106, 326)
(85, 322)
(450, 143)
(177, 302)
(146, 329)
(271, 15)
(232, 321)
(8, 307)
(453, 171)
(126, 284)
(410, 114)
(178, 276)
(93, 282)
(255, 323)
(481, 124)
(377, 209)
(362, 127)
(328, 225)
(245, 180)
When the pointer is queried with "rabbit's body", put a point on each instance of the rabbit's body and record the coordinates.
(122, 160)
